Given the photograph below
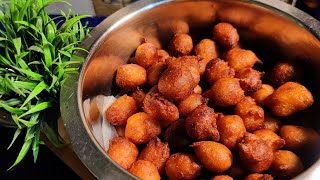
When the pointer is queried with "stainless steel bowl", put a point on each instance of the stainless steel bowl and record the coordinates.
(274, 30)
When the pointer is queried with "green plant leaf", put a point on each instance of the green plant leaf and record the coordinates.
(25, 148)
(37, 90)
(17, 45)
(37, 108)
(16, 134)
(35, 145)
(34, 75)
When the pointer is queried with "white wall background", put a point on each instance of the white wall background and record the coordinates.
(78, 6)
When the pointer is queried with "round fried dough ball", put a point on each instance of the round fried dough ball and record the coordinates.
(182, 166)
(250, 80)
(190, 103)
(176, 83)
(155, 71)
(157, 153)
(145, 170)
(226, 92)
(222, 177)
(240, 58)
(177, 136)
(255, 154)
(231, 129)
(214, 156)
(118, 113)
(257, 176)
(122, 151)
(138, 95)
(217, 69)
(180, 45)
(201, 124)
(271, 122)
(158, 107)
(298, 138)
(251, 114)
(226, 35)
(189, 62)
(146, 55)
(289, 98)
(286, 164)
(207, 50)
(141, 128)
(262, 94)
(130, 76)
(281, 73)
(272, 139)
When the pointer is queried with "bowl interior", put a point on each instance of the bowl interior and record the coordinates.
(273, 35)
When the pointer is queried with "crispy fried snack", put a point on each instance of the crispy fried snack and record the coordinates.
(130, 76)
(122, 151)
(182, 166)
(289, 98)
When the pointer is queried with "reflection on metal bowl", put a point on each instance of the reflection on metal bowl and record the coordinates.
(271, 28)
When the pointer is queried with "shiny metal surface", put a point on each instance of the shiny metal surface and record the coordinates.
(274, 30)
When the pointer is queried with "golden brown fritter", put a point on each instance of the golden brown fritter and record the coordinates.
(251, 114)
(214, 156)
(122, 151)
(286, 164)
(141, 128)
(180, 45)
(289, 98)
(250, 80)
(255, 154)
(190, 103)
(146, 55)
(176, 83)
(225, 92)
(262, 94)
(226, 35)
(231, 129)
(158, 107)
(272, 139)
(182, 166)
(157, 153)
(189, 62)
(217, 69)
(145, 170)
(281, 73)
(298, 138)
(201, 124)
(177, 136)
(240, 59)
(207, 49)
(257, 176)
(120, 110)
(130, 76)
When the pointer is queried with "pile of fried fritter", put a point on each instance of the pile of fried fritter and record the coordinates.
(204, 112)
